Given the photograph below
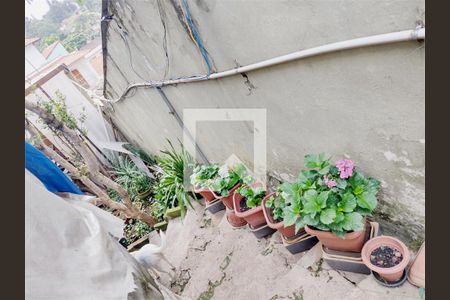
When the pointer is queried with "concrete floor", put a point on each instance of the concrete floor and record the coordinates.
(215, 261)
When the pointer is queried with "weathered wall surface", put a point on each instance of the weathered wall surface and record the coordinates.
(367, 104)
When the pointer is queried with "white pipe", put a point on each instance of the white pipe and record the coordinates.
(380, 39)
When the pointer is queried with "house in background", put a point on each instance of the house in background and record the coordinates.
(75, 78)
(94, 55)
(54, 51)
(33, 58)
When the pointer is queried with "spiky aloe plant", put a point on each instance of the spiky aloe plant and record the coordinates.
(170, 191)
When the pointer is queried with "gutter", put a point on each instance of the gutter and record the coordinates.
(417, 34)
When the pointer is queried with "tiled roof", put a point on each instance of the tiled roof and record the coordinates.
(48, 50)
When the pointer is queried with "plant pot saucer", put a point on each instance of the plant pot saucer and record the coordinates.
(215, 206)
(385, 283)
(261, 231)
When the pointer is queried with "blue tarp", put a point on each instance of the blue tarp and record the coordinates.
(47, 172)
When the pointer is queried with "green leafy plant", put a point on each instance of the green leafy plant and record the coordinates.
(203, 175)
(253, 194)
(286, 204)
(169, 190)
(330, 197)
(135, 229)
(58, 107)
(228, 178)
(134, 180)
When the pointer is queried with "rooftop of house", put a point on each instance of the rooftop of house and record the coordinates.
(31, 41)
(48, 50)
(67, 60)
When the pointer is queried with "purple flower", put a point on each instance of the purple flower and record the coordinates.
(329, 182)
(345, 167)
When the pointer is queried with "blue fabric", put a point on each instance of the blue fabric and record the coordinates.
(47, 172)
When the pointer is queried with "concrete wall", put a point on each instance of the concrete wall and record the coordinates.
(33, 59)
(367, 104)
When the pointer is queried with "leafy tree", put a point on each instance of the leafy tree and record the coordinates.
(50, 39)
(74, 41)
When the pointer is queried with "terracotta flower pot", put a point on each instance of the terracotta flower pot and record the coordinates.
(228, 200)
(285, 231)
(234, 220)
(389, 274)
(253, 216)
(416, 274)
(352, 241)
(205, 193)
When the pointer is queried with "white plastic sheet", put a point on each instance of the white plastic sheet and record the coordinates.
(69, 254)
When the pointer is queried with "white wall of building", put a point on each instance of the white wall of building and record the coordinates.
(87, 71)
(77, 103)
(33, 59)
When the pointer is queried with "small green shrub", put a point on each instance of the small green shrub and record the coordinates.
(169, 190)
(228, 178)
(203, 175)
(135, 229)
(129, 176)
(253, 195)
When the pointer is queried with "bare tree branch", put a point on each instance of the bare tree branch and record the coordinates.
(93, 176)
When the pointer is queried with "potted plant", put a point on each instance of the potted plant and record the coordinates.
(387, 256)
(135, 181)
(334, 202)
(225, 185)
(141, 186)
(247, 202)
(202, 178)
(273, 206)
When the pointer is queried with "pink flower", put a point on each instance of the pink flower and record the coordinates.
(345, 167)
(329, 182)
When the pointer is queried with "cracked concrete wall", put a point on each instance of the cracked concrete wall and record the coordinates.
(367, 104)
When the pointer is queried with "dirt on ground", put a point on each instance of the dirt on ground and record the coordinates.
(215, 261)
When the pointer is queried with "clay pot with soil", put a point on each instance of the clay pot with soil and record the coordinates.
(351, 242)
(387, 256)
(278, 225)
(242, 205)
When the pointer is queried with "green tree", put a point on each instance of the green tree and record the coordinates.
(75, 41)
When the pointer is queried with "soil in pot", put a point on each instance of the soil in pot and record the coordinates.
(243, 205)
(376, 250)
(385, 257)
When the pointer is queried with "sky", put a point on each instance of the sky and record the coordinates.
(36, 9)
